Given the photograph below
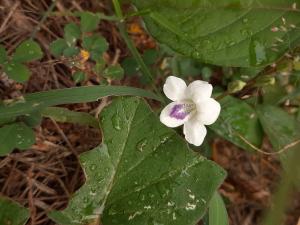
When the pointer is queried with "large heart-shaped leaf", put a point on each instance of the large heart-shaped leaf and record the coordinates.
(143, 173)
(283, 131)
(12, 213)
(238, 123)
(227, 32)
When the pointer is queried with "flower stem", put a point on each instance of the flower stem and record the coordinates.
(144, 69)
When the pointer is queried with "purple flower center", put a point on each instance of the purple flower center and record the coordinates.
(181, 111)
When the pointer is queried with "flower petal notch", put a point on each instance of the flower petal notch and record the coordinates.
(192, 107)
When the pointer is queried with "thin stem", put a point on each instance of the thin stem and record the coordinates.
(47, 13)
(146, 72)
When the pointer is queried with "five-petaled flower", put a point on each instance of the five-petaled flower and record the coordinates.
(192, 106)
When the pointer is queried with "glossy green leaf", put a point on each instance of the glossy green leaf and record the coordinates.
(238, 122)
(12, 213)
(3, 54)
(27, 51)
(96, 45)
(114, 72)
(243, 33)
(41, 100)
(17, 71)
(58, 46)
(282, 130)
(16, 135)
(89, 21)
(217, 211)
(72, 33)
(134, 177)
(65, 115)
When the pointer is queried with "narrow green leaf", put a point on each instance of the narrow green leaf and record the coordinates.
(232, 33)
(238, 122)
(58, 46)
(17, 71)
(40, 100)
(217, 211)
(16, 135)
(67, 116)
(72, 33)
(283, 130)
(114, 72)
(12, 213)
(27, 51)
(135, 177)
(89, 21)
(3, 55)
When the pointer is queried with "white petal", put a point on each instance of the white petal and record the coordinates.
(174, 88)
(194, 132)
(169, 120)
(208, 111)
(199, 90)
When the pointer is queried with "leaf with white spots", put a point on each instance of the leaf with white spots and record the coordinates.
(27, 51)
(244, 33)
(16, 135)
(143, 173)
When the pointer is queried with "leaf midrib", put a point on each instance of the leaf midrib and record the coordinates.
(116, 167)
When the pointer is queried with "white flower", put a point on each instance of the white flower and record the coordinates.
(192, 106)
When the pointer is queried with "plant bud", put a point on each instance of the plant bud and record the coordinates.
(235, 86)
(265, 81)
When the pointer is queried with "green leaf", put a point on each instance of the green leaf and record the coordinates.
(217, 211)
(130, 66)
(227, 33)
(41, 100)
(12, 213)
(150, 56)
(64, 115)
(282, 130)
(135, 177)
(89, 21)
(17, 71)
(3, 55)
(100, 65)
(72, 33)
(114, 72)
(58, 46)
(238, 122)
(27, 51)
(33, 119)
(96, 45)
(16, 135)
(71, 51)
(78, 77)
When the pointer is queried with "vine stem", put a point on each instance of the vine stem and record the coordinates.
(144, 69)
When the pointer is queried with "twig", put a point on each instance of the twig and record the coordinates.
(50, 9)
(11, 12)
